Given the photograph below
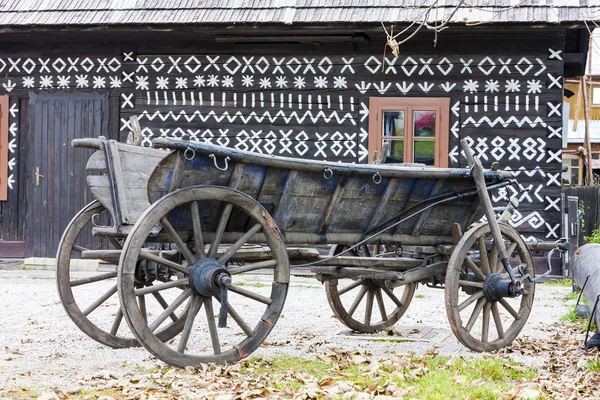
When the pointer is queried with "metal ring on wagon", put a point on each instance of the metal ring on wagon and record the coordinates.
(188, 157)
(211, 155)
(327, 173)
(377, 178)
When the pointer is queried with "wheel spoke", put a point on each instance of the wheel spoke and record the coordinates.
(497, 320)
(212, 327)
(471, 299)
(483, 256)
(238, 320)
(142, 305)
(100, 300)
(475, 314)
(350, 287)
(369, 307)
(473, 267)
(251, 267)
(214, 246)
(79, 249)
(178, 242)
(250, 294)
(161, 286)
(357, 300)
(95, 278)
(115, 243)
(193, 308)
(509, 308)
(485, 328)
(199, 242)
(494, 262)
(392, 296)
(515, 270)
(381, 305)
(164, 305)
(146, 255)
(470, 284)
(170, 309)
(117, 322)
(237, 245)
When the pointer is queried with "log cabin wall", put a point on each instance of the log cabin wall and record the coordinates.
(311, 100)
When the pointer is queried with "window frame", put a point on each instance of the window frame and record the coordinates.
(441, 105)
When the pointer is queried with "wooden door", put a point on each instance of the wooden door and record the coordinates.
(56, 182)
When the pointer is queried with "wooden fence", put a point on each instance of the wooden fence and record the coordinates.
(589, 205)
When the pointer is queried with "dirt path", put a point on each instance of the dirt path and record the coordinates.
(41, 347)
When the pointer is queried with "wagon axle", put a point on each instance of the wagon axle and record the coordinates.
(495, 288)
(208, 278)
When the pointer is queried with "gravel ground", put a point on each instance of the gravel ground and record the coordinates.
(41, 347)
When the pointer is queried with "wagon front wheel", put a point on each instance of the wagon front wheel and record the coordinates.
(208, 228)
(481, 314)
(367, 305)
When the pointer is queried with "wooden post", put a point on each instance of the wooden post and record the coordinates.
(484, 197)
(587, 144)
(572, 230)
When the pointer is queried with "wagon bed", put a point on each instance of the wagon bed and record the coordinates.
(187, 217)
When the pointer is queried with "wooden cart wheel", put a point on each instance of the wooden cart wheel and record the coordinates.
(99, 316)
(382, 306)
(472, 307)
(208, 225)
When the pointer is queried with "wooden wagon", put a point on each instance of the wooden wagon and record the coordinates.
(181, 221)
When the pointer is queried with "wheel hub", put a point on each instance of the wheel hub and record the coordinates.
(495, 288)
(208, 277)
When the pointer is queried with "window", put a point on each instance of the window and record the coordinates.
(572, 169)
(415, 129)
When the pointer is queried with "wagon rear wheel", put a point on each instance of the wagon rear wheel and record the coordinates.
(480, 318)
(209, 227)
(92, 301)
(367, 305)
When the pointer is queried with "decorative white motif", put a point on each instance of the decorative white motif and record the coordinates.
(299, 82)
(448, 68)
(321, 82)
(492, 86)
(525, 61)
(554, 81)
(115, 82)
(63, 82)
(9, 85)
(325, 65)
(482, 68)
(552, 204)
(339, 82)
(554, 156)
(281, 82)
(181, 83)
(127, 100)
(504, 66)
(28, 82)
(162, 82)
(499, 120)
(551, 231)
(46, 81)
(382, 87)
(470, 86)
(412, 69)
(534, 86)
(199, 81)
(426, 66)
(227, 81)
(425, 86)
(447, 86)
(373, 68)
(554, 132)
(512, 85)
(347, 65)
(363, 87)
(404, 87)
(554, 54)
(265, 83)
(141, 82)
(212, 63)
(542, 65)
(466, 66)
(554, 109)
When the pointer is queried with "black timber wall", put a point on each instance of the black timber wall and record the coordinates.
(310, 100)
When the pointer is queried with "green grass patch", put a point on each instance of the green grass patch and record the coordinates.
(572, 297)
(572, 318)
(566, 282)
(428, 377)
(594, 366)
(419, 296)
